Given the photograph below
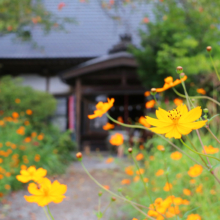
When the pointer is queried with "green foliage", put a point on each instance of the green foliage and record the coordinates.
(178, 36)
(19, 17)
(27, 137)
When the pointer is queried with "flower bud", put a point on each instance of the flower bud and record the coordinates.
(79, 156)
(130, 150)
(179, 69)
(209, 48)
(100, 193)
(153, 91)
(205, 110)
(120, 189)
(205, 116)
(113, 199)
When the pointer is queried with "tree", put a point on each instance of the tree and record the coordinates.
(19, 17)
(178, 36)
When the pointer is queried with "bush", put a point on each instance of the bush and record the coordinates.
(27, 136)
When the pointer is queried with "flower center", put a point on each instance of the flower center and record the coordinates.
(174, 115)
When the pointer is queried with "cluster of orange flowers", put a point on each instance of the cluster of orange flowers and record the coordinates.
(168, 207)
(42, 190)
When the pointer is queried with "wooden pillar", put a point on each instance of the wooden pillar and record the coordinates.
(78, 112)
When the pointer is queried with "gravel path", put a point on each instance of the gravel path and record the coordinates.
(82, 194)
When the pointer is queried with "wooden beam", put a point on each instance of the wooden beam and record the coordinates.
(78, 112)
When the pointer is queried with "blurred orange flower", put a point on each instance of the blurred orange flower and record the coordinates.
(136, 178)
(27, 139)
(109, 160)
(102, 108)
(17, 101)
(140, 156)
(40, 137)
(15, 115)
(147, 93)
(125, 182)
(199, 188)
(108, 126)
(33, 134)
(178, 101)
(176, 155)
(201, 91)
(194, 217)
(142, 120)
(195, 170)
(7, 187)
(160, 148)
(159, 172)
(116, 139)
(187, 192)
(120, 119)
(129, 171)
(37, 158)
(192, 181)
(146, 180)
(29, 112)
(210, 150)
(151, 157)
(140, 171)
(150, 104)
(31, 174)
(2, 123)
(21, 130)
(46, 192)
(106, 187)
(141, 147)
(167, 187)
(169, 83)
(26, 123)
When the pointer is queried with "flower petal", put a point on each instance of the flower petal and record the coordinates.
(173, 133)
(156, 122)
(163, 115)
(183, 109)
(162, 130)
(195, 125)
(191, 116)
(183, 130)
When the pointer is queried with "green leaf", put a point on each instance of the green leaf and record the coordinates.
(190, 211)
(212, 118)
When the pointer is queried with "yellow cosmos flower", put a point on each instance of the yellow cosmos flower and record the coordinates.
(31, 174)
(46, 192)
(176, 122)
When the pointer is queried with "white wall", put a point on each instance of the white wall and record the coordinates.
(56, 86)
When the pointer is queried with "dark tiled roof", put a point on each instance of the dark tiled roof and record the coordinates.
(93, 36)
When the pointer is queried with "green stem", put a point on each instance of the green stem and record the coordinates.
(142, 178)
(155, 99)
(170, 190)
(186, 94)
(216, 71)
(45, 211)
(107, 207)
(196, 97)
(142, 127)
(213, 135)
(99, 206)
(196, 151)
(48, 209)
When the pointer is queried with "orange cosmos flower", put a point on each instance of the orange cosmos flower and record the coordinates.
(177, 101)
(17, 101)
(210, 150)
(120, 119)
(147, 93)
(134, 219)
(160, 148)
(199, 188)
(21, 130)
(27, 139)
(29, 112)
(40, 137)
(108, 126)
(15, 115)
(106, 187)
(169, 83)
(129, 171)
(195, 170)
(213, 192)
(102, 108)
(116, 139)
(187, 192)
(136, 178)
(141, 147)
(140, 157)
(109, 160)
(176, 155)
(201, 91)
(167, 187)
(151, 157)
(194, 217)
(159, 172)
(140, 171)
(146, 180)
(7, 186)
(192, 181)
(142, 120)
(2, 123)
(150, 104)
(46, 192)
(176, 122)
(37, 158)
(31, 174)
(125, 182)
